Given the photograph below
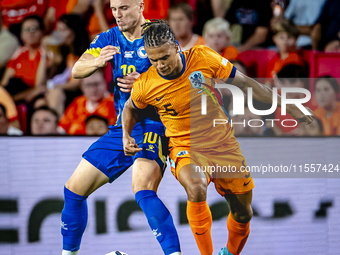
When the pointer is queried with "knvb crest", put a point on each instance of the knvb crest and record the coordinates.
(197, 79)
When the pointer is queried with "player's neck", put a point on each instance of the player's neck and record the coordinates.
(136, 31)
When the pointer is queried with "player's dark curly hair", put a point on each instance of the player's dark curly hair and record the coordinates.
(157, 32)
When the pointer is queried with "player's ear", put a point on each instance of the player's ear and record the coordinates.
(141, 6)
(177, 48)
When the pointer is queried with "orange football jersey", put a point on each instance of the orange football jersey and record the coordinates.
(179, 99)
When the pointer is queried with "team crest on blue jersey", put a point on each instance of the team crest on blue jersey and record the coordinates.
(142, 53)
(197, 79)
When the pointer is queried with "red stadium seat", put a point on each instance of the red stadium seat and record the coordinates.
(257, 61)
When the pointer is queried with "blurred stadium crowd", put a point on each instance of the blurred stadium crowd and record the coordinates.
(283, 43)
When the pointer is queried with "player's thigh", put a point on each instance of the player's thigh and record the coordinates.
(146, 175)
(240, 205)
(104, 161)
(86, 179)
(195, 184)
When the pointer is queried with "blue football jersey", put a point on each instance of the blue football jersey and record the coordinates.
(131, 58)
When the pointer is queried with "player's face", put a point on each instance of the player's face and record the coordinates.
(324, 93)
(94, 87)
(31, 33)
(127, 13)
(43, 123)
(165, 59)
(217, 40)
(179, 23)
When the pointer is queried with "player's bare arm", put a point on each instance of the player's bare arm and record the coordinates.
(88, 64)
(129, 120)
(264, 94)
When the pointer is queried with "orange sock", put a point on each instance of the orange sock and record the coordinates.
(200, 220)
(238, 235)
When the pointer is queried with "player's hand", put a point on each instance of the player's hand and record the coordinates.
(300, 116)
(130, 146)
(106, 54)
(126, 82)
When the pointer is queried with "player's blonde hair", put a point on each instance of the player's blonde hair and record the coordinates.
(216, 25)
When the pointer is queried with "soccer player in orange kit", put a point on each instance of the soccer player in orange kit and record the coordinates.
(174, 85)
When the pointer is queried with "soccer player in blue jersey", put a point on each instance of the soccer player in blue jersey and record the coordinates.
(105, 161)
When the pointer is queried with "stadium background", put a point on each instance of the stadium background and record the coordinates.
(291, 215)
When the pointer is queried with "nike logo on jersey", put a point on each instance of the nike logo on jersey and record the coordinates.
(158, 99)
(245, 184)
(202, 233)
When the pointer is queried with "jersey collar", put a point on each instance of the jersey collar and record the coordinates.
(176, 75)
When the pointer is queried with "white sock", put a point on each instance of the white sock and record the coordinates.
(176, 253)
(70, 252)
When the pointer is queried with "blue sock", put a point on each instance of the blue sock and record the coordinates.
(73, 220)
(160, 220)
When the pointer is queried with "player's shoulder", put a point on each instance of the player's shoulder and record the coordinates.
(146, 77)
(201, 48)
(149, 74)
(199, 51)
(197, 54)
(105, 37)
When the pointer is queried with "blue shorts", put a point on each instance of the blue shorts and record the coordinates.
(107, 152)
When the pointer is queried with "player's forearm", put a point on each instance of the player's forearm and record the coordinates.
(84, 67)
(260, 91)
(129, 118)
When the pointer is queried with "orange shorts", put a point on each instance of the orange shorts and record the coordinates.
(226, 168)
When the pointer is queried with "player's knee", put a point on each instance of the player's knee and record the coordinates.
(73, 186)
(196, 190)
(145, 184)
(138, 186)
(70, 185)
(146, 176)
(243, 216)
